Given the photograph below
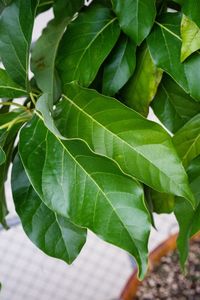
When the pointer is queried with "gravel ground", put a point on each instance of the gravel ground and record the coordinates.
(167, 282)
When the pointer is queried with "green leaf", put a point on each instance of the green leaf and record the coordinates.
(142, 86)
(96, 30)
(187, 140)
(67, 8)
(87, 188)
(16, 24)
(120, 66)
(191, 9)
(188, 219)
(2, 156)
(3, 205)
(53, 234)
(165, 47)
(162, 203)
(44, 56)
(45, 49)
(136, 17)
(172, 105)
(44, 5)
(14, 120)
(3, 4)
(8, 88)
(142, 148)
(190, 34)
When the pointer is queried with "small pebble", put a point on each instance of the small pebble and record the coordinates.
(166, 282)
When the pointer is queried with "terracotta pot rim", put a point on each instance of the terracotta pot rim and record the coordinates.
(169, 244)
(163, 248)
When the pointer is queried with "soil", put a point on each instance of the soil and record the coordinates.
(167, 281)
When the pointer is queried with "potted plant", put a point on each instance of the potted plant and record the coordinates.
(82, 151)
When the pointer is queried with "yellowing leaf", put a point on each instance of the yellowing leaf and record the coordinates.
(190, 34)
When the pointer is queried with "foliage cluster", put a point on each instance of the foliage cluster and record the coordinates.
(83, 153)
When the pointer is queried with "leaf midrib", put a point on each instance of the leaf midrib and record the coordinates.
(116, 136)
(99, 188)
(89, 45)
(194, 141)
(12, 88)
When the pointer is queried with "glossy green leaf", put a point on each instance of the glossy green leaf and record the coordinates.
(87, 188)
(86, 43)
(53, 234)
(8, 88)
(2, 156)
(119, 67)
(16, 24)
(190, 34)
(142, 148)
(188, 219)
(172, 105)
(136, 17)
(141, 88)
(45, 49)
(165, 47)
(187, 140)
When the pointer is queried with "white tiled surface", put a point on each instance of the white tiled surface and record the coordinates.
(26, 273)
(99, 273)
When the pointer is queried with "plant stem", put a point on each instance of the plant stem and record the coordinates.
(32, 98)
(14, 104)
(19, 119)
(45, 3)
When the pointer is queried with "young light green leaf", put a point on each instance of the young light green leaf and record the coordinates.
(53, 234)
(190, 34)
(8, 88)
(96, 30)
(187, 140)
(142, 86)
(87, 188)
(172, 105)
(136, 17)
(16, 24)
(120, 66)
(142, 148)
(2, 156)
(165, 47)
(188, 218)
